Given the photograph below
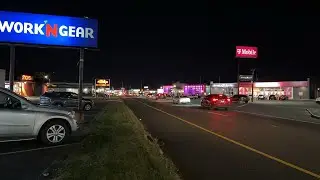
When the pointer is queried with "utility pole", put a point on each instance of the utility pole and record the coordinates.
(219, 79)
(12, 66)
(122, 84)
(140, 84)
(80, 78)
(252, 82)
(200, 79)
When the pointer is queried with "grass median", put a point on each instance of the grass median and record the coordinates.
(117, 148)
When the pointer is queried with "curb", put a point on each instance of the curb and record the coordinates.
(312, 114)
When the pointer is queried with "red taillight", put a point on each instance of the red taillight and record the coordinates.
(228, 99)
(214, 99)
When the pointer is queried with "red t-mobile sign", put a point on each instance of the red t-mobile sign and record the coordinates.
(246, 52)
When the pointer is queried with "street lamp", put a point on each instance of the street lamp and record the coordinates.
(47, 77)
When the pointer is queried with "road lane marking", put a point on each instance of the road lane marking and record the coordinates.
(36, 149)
(218, 114)
(293, 166)
(16, 140)
(276, 117)
(242, 105)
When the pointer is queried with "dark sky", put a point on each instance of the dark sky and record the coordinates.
(165, 41)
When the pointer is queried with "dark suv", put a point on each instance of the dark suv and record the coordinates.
(64, 99)
(240, 98)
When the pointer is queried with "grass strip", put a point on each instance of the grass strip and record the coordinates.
(117, 148)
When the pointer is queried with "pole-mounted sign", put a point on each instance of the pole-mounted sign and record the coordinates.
(40, 29)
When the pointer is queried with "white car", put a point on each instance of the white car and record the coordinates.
(318, 100)
(193, 96)
(181, 100)
(20, 119)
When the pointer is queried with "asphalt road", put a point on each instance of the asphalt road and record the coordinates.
(28, 159)
(231, 145)
(290, 110)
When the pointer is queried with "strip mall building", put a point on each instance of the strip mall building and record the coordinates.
(292, 89)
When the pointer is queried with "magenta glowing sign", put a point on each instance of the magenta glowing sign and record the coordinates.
(246, 52)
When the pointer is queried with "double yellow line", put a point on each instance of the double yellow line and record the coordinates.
(240, 144)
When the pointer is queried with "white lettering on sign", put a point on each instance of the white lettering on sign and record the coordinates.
(49, 30)
(223, 85)
(248, 52)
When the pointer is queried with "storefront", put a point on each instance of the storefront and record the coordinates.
(25, 87)
(185, 89)
(292, 89)
(224, 88)
(69, 87)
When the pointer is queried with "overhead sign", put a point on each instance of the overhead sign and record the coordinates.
(102, 82)
(246, 52)
(39, 29)
(245, 77)
(26, 78)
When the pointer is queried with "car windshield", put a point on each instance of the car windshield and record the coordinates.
(19, 96)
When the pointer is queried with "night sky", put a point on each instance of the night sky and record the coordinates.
(164, 41)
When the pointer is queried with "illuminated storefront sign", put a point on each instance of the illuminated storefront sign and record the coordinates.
(246, 52)
(26, 78)
(224, 85)
(245, 77)
(102, 82)
(27, 28)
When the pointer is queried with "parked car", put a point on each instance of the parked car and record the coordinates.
(318, 100)
(283, 97)
(272, 97)
(240, 98)
(261, 97)
(64, 99)
(215, 101)
(181, 100)
(20, 119)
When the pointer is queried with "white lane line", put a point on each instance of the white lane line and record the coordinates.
(36, 149)
(16, 140)
(277, 117)
(274, 126)
(242, 105)
(218, 114)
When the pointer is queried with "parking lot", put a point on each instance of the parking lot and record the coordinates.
(29, 159)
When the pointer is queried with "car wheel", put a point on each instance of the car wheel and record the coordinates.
(246, 101)
(54, 132)
(58, 105)
(87, 107)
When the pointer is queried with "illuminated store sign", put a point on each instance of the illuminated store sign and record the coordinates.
(223, 85)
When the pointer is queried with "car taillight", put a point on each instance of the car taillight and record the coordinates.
(214, 99)
(228, 99)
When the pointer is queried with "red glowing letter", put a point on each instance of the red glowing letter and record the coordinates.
(51, 30)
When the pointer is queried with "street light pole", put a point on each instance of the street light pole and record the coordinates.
(81, 61)
(12, 66)
(252, 82)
